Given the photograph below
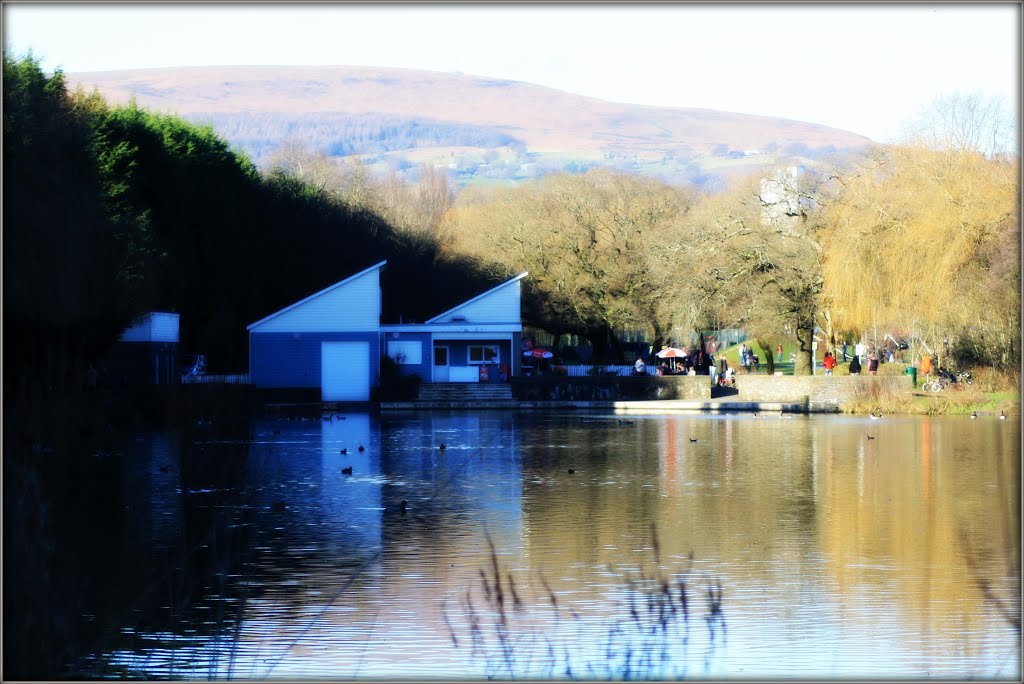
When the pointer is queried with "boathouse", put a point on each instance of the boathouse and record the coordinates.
(474, 342)
(330, 340)
(334, 340)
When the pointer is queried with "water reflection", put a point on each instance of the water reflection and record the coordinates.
(846, 547)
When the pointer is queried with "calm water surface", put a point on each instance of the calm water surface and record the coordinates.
(838, 555)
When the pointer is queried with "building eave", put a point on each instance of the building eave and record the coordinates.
(313, 296)
(479, 296)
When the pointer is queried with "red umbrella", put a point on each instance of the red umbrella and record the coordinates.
(672, 353)
(538, 353)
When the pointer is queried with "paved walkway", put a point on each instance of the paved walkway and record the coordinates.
(726, 405)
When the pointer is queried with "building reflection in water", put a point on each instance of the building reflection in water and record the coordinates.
(840, 555)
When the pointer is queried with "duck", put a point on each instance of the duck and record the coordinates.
(1002, 416)
(871, 437)
(345, 450)
(441, 446)
(974, 414)
(693, 439)
(346, 471)
(874, 417)
(361, 448)
(402, 506)
(279, 507)
(571, 471)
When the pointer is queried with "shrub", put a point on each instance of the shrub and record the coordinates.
(989, 379)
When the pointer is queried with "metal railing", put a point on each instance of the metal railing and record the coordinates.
(604, 371)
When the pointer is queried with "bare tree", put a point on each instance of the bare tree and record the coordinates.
(965, 123)
(296, 159)
(588, 242)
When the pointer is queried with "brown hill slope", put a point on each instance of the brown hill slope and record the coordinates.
(544, 120)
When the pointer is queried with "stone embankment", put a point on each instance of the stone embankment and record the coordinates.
(790, 394)
(818, 390)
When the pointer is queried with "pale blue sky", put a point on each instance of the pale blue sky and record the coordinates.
(866, 68)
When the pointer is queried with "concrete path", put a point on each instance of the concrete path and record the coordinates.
(652, 406)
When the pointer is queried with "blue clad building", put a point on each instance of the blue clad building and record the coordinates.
(146, 352)
(327, 340)
(334, 340)
(469, 343)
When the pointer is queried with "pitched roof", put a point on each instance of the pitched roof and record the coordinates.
(315, 295)
(479, 296)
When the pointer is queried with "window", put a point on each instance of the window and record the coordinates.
(406, 351)
(483, 353)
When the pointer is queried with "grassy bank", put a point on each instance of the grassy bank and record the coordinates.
(990, 394)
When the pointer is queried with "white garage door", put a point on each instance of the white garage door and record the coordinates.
(345, 371)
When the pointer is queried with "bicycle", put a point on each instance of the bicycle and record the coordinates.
(936, 384)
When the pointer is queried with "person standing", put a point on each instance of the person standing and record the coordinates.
(778, 353)
(855, 365)
(829, 362)
(873, 364)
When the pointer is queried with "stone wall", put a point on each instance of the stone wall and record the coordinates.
(560, 388)
(817, 389)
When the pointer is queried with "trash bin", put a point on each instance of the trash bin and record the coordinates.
(912, 372)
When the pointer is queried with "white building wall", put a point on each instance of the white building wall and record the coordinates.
(352, 307)
(499, 306)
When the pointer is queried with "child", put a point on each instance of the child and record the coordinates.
(829, 362)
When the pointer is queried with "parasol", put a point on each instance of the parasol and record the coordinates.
(672, 353)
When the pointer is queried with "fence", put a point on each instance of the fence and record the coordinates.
(237, 379)
(616, 370)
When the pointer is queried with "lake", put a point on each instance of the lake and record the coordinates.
(551, 545)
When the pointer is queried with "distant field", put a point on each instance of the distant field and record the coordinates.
(401, 117)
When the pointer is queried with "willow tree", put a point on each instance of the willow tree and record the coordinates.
(587, 242)
(916, 239)
(755, 258)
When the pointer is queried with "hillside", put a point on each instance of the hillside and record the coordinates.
(479, 127)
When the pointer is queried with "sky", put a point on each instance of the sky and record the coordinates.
(866, 68)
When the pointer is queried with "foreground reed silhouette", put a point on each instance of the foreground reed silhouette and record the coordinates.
(648, 638)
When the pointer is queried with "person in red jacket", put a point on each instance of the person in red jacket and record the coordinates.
(829, 362)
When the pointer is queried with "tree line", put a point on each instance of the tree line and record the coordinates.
(113, 211)
(920, 238)
(341, 134)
